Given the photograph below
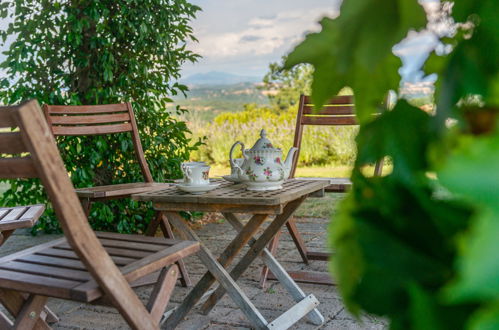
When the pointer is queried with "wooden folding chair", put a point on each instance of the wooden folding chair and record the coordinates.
(82, 266)
(338, 111)
(67, 120)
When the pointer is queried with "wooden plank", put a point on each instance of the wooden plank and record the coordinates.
(330, 110)
(307, 277)
(86, 109)
(144, 266)
(161, 293)
(284, 278)
(117, 252)
(297, 239)
(158, 260)
(53, 261)
(120, 190)
(89, 119)
(255, 250)
(6, 118)
(29, 314)
(91, 130)
(237, 295)
(37, 284)
(15, 213)
(12, 143)
(17, 167)
(185, 279)
(31, 250)
(323, 120)
(138, 238)
(340, 99)
(127, 245)
(315, 255)
(4, 211)
(255, 209)
(233, 196)
(227, 256)
(295, 313)
(50, 271)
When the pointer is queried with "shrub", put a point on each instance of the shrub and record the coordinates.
(98, 52)
(320, 146)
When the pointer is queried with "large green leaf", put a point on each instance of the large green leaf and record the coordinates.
(355, 50)
(471, 172)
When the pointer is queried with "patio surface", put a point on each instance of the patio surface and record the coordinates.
(272, 301)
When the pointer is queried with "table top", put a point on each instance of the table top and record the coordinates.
(236, 194)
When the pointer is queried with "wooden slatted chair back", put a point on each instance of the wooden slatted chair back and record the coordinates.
(31, 152)
(78, 120)
(338, 111)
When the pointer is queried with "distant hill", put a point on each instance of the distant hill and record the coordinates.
(207, 101)
(213, 78)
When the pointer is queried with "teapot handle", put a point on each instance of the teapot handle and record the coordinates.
(232, 162)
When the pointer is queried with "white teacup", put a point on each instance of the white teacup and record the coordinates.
(234, 169)
(196, 173)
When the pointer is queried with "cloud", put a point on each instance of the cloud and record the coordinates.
(261, 35)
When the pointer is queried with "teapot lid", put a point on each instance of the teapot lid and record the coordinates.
(263, 142)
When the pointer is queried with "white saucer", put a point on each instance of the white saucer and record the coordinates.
(197, 190)
(231, 178)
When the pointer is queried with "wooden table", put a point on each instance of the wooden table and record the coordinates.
(229, 199)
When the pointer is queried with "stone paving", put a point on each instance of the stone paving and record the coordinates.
(272, 301)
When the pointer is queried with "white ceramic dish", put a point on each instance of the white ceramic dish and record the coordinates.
(197, 190)
(231, 178)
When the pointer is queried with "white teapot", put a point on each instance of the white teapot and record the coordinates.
(263, 167)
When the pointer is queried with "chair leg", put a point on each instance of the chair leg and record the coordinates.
(274, 243)
(296, 236)
(27, 311)
(29, 314)
(161, 220)
(162, 291)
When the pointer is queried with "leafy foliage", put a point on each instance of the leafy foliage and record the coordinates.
(98, 52)
(419, 245)
(321, 145)
(286, 86)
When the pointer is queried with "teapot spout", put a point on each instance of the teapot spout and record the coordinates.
(289, 162)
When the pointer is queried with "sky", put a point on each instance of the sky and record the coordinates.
(243, 36)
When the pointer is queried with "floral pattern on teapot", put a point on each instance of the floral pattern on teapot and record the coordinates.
(263, 168)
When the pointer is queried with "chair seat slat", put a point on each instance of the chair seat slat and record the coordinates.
(37, 284)
(52, 271)
(69, 254)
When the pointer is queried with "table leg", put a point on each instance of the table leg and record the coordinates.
(281, 274)
(220, 274)
(255, 250)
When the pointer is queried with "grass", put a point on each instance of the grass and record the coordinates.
(320, 207)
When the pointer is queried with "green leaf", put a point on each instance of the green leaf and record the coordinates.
(355, 50)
